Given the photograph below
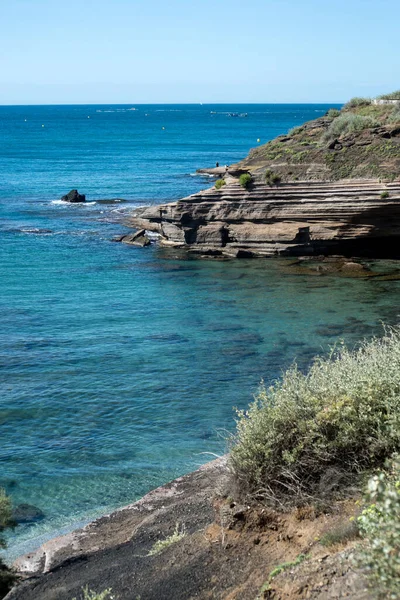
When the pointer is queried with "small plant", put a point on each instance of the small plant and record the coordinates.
(333, 113)
(220, 183)
(380, 525)
(280, 569)
(91, 595)
(246, 180)
(272, 178)
(341, 534)
(384, 194)
(172, 539)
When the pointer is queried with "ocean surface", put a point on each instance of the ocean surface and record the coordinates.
(120, 367)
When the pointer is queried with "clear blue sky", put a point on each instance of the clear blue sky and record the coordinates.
(138, 51)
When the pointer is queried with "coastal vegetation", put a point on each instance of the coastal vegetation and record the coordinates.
(88, 594)
(161, 545)
(357, 101)
(245, 180)
(316, 438)
(391, 96)
(280, 569)
(272, 178)
(380, 525)
(360, 140)
(220, 183)
(310, 437)
(347, 123)
(333, 113)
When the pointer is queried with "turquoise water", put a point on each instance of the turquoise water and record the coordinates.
(120, 366)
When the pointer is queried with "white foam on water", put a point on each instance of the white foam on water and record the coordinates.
(64, 203)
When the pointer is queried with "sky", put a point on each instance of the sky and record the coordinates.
(181, 51)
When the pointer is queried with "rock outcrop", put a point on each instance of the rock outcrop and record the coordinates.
(74, 196)
(139, 238)
(354, 217)
(330, 186)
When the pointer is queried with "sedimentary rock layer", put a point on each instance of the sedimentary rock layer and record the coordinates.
(355, 217)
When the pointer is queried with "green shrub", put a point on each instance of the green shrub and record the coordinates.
(357, 101)
(220, 183)
(309, 435)
(272, 178)
(348, 123)
(333, 113)
(380, 525)
(245, 180)
(384, 194)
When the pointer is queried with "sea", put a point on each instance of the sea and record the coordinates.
(121, 368)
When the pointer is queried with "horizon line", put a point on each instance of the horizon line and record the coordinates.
(166, 103)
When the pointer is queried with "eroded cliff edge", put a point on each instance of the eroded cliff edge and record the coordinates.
(331, 186)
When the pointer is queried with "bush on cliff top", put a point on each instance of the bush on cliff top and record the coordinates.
(310, 435)
(348, 123)
(391, 96)
(357, 101)
(333, 113)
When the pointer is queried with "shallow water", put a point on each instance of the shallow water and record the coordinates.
(121, 366)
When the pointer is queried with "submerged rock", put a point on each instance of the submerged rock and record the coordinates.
(27, 513)
(74, 196)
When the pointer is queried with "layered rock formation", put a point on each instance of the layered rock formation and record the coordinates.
(356, 217)
(330, 199)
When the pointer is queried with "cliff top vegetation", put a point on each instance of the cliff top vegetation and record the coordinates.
(362, 140)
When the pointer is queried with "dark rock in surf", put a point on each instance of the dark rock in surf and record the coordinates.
(74, 196)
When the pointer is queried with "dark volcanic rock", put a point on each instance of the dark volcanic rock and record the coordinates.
(74, 196)
(27, 513)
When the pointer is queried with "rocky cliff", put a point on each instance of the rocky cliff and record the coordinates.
(350, 218)
(331, 186)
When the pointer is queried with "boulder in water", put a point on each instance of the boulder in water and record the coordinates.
(74, 196)
(139, 238)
